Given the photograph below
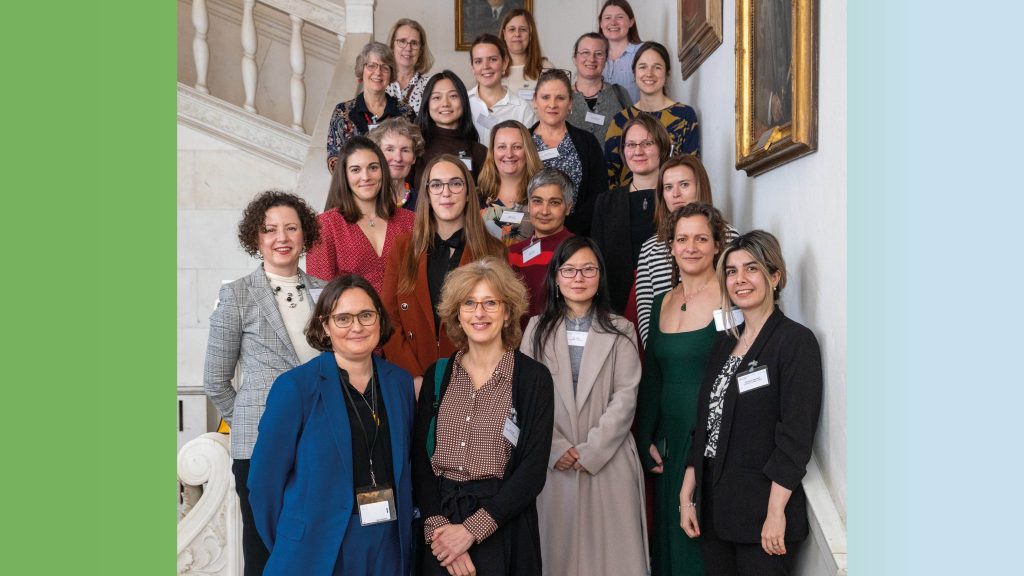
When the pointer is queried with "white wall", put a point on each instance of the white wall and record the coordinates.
(215, 183)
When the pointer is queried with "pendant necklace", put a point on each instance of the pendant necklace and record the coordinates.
(289, 297)
(635, 189)
(686, 297)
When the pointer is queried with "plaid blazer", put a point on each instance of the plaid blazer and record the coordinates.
(246, 328)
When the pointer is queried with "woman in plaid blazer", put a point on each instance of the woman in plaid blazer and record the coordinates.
(258, 326)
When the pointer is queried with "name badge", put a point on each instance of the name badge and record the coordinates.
(511, 217)
(511, 430)
(526, 94)
(576, 337)
(370, 127)
(737, 318)
(467, 161)
(595, 118)
(484, 121)
(753, 379)
(531, 251)
(548, 154)
(376, 505)
(314, 293)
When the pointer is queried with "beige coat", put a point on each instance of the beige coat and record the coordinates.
(592, 522)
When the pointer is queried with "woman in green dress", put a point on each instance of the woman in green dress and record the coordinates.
(681, 333)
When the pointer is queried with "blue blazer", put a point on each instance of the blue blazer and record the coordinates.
(300, 476)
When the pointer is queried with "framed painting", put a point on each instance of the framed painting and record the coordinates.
(776, 82)
(475, 17)
(700, 32)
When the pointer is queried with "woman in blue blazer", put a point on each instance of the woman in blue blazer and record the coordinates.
(330, 480)
(756, 417)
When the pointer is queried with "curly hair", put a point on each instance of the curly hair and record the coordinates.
(507, 287)
(255, 214)
(716, 223)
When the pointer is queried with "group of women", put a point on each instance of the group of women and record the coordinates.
(458, 387)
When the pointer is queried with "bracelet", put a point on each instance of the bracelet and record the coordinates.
(690, 505)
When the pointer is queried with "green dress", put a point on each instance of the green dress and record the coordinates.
(666, 412)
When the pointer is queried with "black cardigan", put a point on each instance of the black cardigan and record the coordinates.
(766, 434)
(611, 232)
(593, 183)
(526, 472)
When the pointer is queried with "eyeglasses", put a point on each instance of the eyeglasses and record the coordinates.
(587, 54)
(558, 72)
(344, 319)
(403, 43)
(374, 66)
(588, 271)
(489, 305)
(455, 186)
(645, 144)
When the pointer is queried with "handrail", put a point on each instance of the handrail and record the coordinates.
(210, 534)
(320, 13)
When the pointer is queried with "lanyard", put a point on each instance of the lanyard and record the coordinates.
(373, 410)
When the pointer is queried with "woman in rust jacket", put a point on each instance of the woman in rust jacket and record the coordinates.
(447, 233)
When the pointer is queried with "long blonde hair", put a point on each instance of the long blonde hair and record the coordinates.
(489, 181)
(477, 240)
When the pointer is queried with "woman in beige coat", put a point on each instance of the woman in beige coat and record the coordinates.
(592, 509)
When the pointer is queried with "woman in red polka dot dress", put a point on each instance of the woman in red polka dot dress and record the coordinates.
(359, 224)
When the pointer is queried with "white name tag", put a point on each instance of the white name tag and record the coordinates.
(485, 122)
(531, 251)
(375, 512)
(548, 154)
(595, 118)
(467, 161)
(577, 338)
(737, 318)
(753, 380)
(511, 432)
(314, 293)
(526, 94)
(511, 217)
(370, 127)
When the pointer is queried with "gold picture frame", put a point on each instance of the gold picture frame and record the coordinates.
(700, 32)
(776, 82)
(475, 17)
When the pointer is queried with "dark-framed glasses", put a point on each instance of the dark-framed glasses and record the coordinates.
(557, 72)
(455, 186)
(470, 305)
(569, 272)
(344, 319)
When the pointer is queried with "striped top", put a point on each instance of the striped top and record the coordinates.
(653, 277)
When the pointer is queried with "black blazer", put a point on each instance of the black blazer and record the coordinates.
(611, 231)
(515, 504)
(593, 183)
(766, 433)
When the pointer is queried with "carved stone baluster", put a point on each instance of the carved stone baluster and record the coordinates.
(200, 49)
(298, 69)
(249, 56)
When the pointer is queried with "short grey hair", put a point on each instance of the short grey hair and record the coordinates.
(553, 176)
(382, 51)
(399, 126)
